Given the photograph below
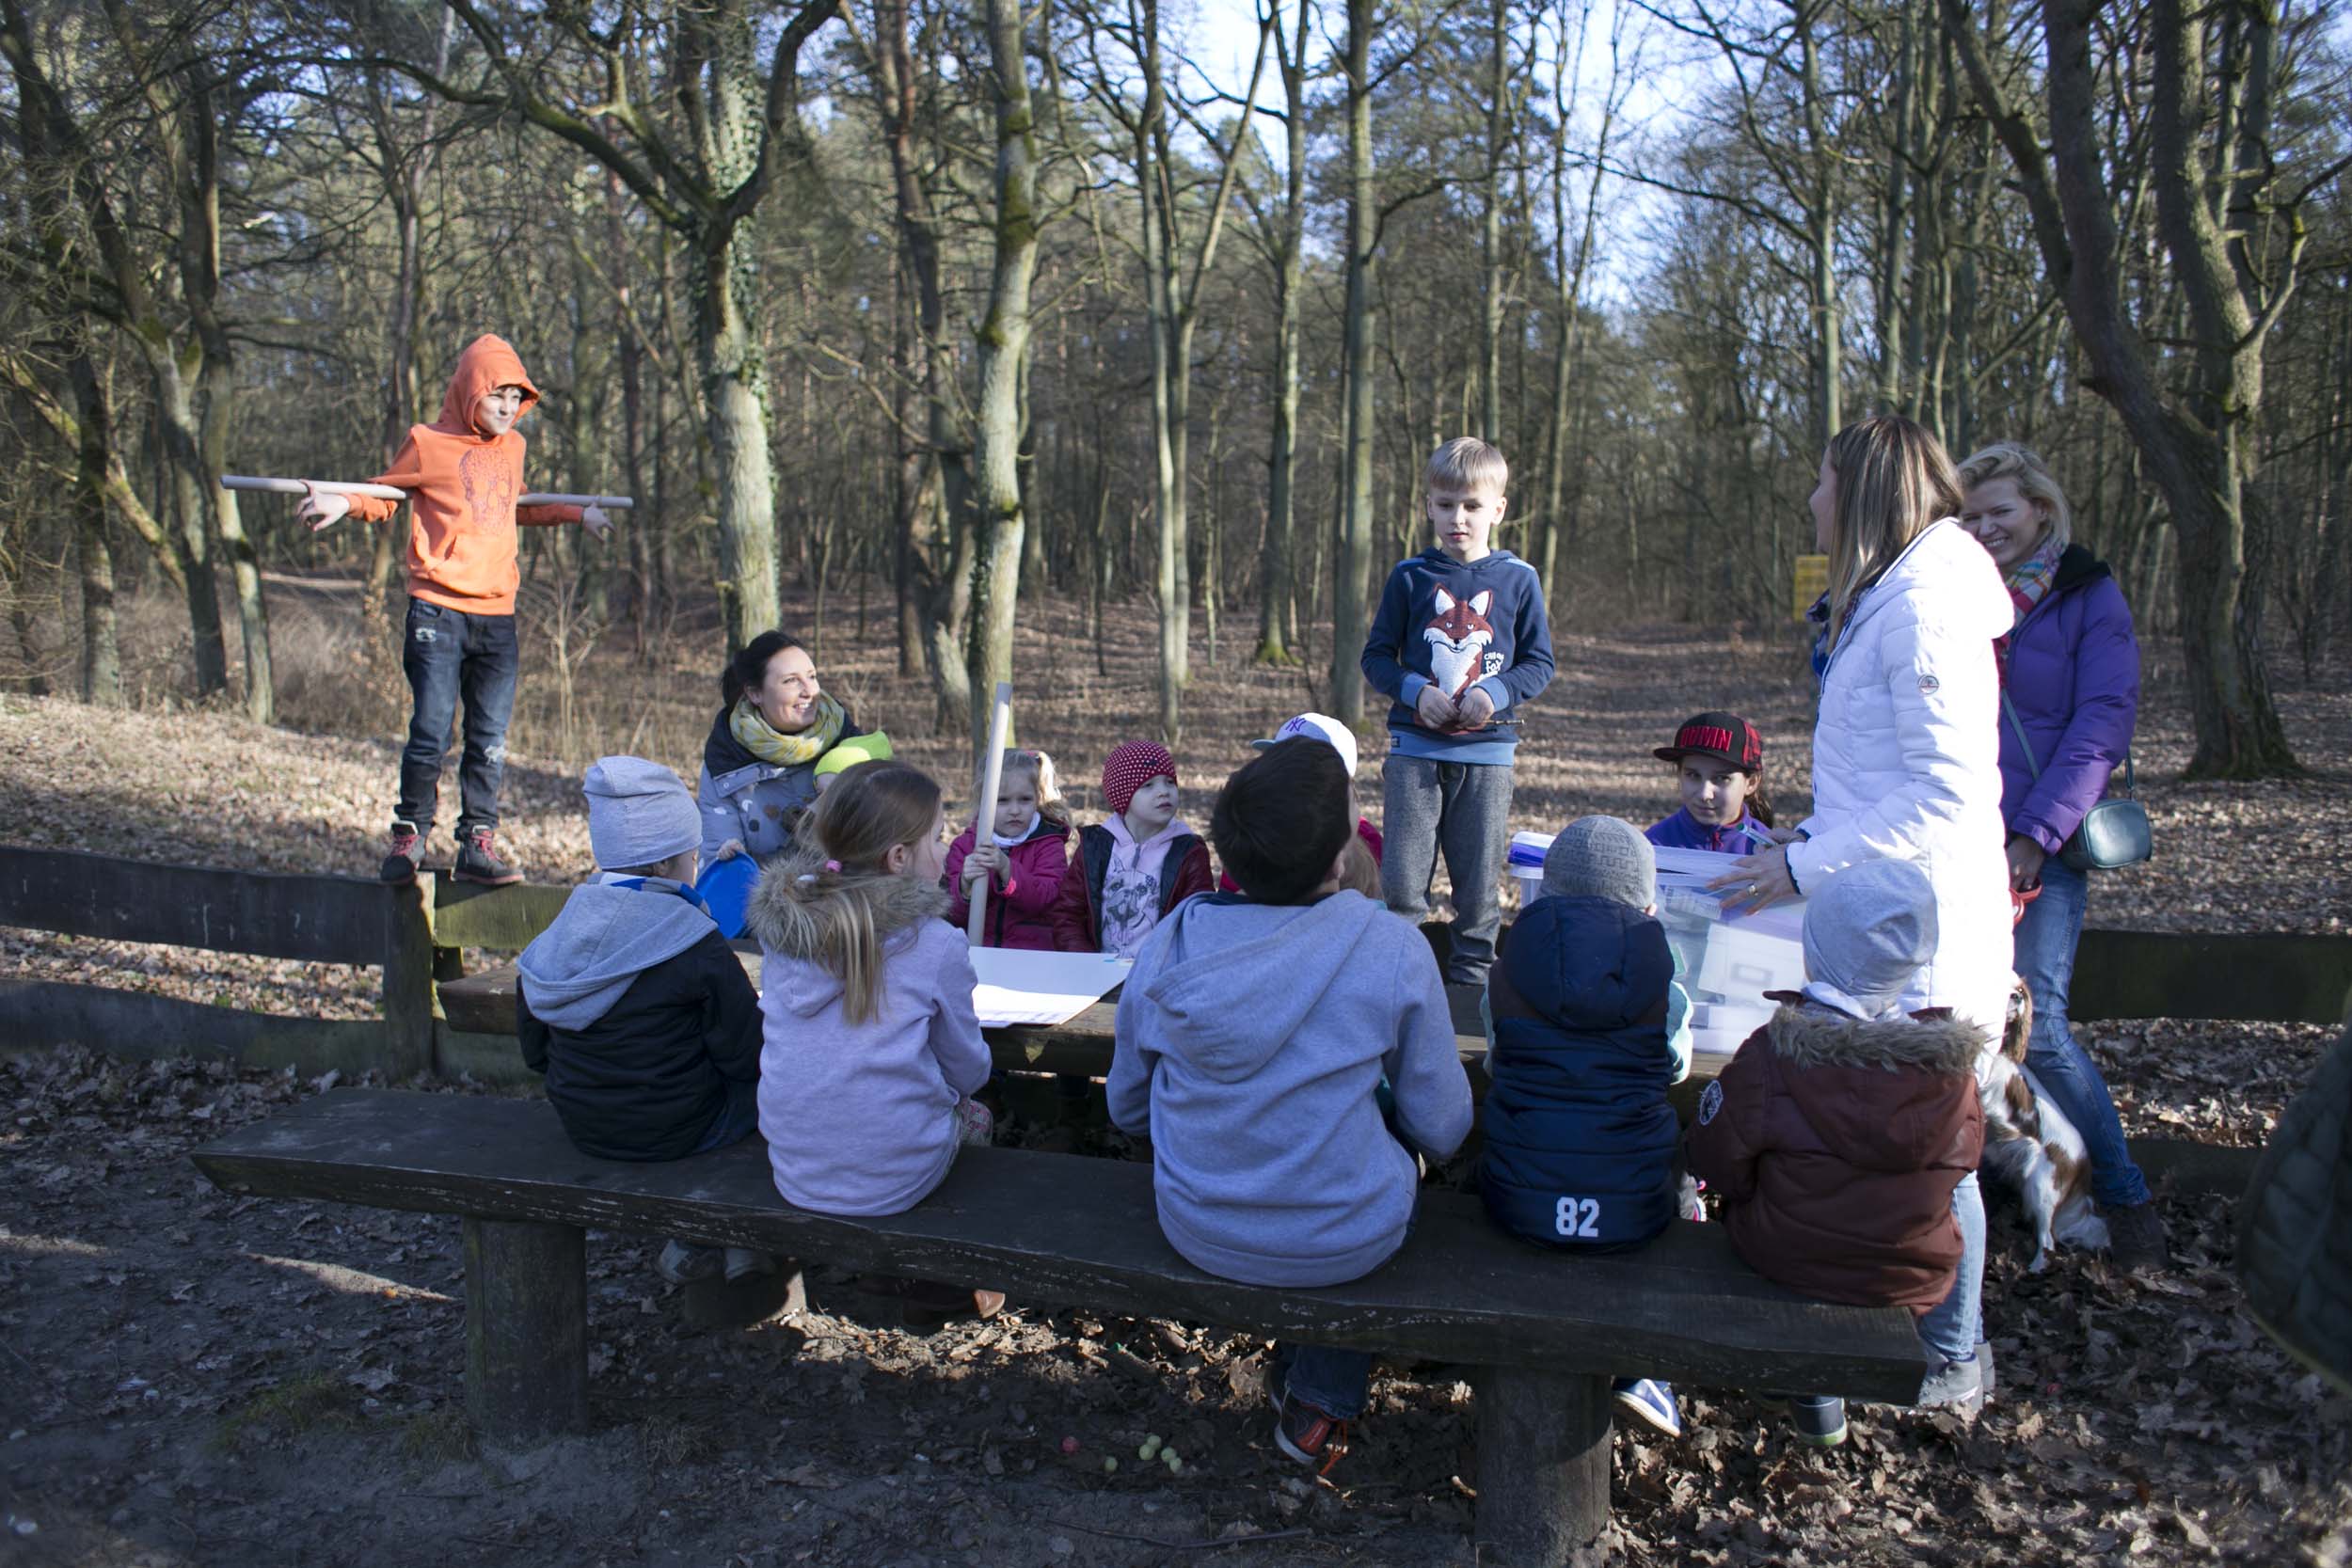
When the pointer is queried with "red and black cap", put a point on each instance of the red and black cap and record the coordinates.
(1716, 735)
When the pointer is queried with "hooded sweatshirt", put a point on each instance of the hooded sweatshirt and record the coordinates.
(462, 482)
(1182, 864)
(860, 1118)
(1836, 1142)
(1454, 624)
(1251, 1038)
(639, 1014)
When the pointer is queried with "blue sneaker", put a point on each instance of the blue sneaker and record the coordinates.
(1649, 1402)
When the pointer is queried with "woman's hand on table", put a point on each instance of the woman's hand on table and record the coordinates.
(1756, 882)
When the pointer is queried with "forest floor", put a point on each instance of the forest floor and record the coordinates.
(187, 1377)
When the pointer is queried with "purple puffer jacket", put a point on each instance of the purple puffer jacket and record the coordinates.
(2074, 678)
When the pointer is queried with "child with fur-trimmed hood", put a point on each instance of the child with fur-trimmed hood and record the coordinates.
(1837, 1133)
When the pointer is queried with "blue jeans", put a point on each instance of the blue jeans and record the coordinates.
(1953, 1328)
(1335, 1382)
(738, 1118)
(2045, 960)
(447, 654)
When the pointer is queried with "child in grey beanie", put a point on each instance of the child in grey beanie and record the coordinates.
(632, 1004)
(1602, 857)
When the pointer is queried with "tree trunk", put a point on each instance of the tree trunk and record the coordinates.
(1348, 617)
(2196, 443)
(1277, 591)
(735, 392)
(1004, 348)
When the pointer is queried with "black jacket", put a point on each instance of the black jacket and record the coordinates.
(648, 1078)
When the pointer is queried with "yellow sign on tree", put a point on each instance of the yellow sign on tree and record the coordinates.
(1812, 581)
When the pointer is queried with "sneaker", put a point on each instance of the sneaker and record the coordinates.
(478, 860)
(1956, 1385)
(1649, 1402)
(742, 1263)
(1309, 1435)
(1817, 1420)
(406, 855)
(683, 1262)
(2136, 1237)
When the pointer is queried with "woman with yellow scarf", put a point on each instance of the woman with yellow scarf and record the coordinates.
(760, 764)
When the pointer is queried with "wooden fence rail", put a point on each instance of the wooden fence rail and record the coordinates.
(415, 934)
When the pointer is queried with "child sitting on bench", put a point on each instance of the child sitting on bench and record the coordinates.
(633, 1005)
(1581, 1143)
(873, 1047)
(1836, 1135)
(1252, 1039)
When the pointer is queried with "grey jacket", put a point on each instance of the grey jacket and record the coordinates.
(749, 801)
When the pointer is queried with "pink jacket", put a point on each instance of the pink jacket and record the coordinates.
(1021, 899)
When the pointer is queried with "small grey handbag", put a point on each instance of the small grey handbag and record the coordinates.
(2113, 834)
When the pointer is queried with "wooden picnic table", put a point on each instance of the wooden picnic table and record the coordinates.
(483, 1002)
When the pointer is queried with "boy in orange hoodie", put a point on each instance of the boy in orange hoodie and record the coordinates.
(462, 473)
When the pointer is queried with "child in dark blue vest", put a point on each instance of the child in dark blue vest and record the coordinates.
(1581, 1143)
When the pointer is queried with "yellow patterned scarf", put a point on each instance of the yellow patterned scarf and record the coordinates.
(778, 749)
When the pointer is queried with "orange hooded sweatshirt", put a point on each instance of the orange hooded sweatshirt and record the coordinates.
(462, 483)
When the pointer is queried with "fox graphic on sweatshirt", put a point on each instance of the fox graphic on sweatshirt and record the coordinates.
(1458, 625)
(1458, 639)
(462, 483)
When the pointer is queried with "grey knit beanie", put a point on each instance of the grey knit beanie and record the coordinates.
(1866, 933)
(1602, 857)
(639, 814)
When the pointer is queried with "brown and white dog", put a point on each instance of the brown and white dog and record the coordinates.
(2029, 1144)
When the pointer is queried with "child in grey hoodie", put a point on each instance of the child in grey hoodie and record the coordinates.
(1253, 1036)
(633, 1005)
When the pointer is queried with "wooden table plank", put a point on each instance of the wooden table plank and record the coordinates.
(484, 1004)
(1056, 1228)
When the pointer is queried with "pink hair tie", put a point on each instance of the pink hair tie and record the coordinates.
(834, 866)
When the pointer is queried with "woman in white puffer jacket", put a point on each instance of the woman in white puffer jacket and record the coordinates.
(1906, 762)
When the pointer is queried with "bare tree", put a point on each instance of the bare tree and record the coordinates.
(2230, 228)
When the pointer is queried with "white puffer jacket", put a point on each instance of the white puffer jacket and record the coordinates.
(1907, 760)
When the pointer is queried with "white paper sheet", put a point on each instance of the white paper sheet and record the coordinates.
(1040, 988)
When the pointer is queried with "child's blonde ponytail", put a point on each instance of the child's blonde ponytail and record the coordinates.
(834, 879)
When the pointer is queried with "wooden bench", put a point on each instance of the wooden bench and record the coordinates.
(1544, 1332)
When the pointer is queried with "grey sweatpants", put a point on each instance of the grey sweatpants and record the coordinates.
(1464, 809)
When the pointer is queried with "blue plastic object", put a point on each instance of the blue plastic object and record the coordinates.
(725, 889)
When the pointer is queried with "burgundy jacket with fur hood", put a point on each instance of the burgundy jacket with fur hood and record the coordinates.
(1836, 1142)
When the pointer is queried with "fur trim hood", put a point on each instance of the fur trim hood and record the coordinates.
(1888, 1094)
(1811, 1037)
(791, 917)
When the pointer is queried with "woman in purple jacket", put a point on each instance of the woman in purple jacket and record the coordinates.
(2070, 671)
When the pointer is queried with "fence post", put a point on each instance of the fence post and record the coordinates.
(408, 1005)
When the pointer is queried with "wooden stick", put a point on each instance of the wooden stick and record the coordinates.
(999, 720)
(391, 493)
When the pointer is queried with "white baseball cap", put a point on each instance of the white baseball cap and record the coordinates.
(1317, 726)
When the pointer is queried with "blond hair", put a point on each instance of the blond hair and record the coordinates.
(836, 875)
(2022, 464)
(1022, 759)
(1467, 463)
(1894, 478)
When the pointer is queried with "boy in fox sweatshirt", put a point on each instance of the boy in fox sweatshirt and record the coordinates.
(1460, 640)
(1252, 1037)
(462, 472)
